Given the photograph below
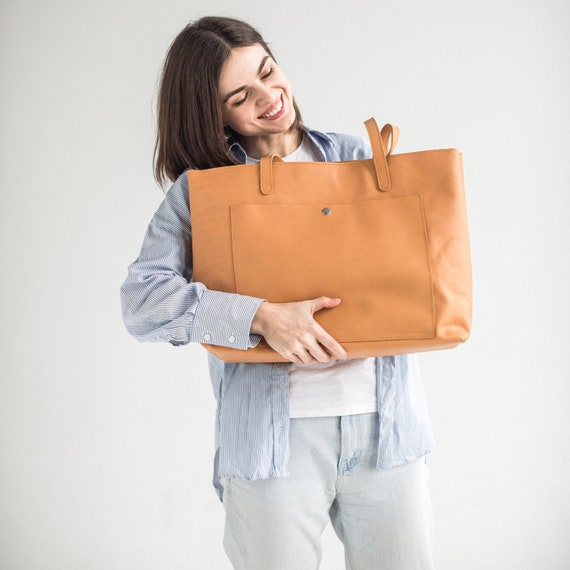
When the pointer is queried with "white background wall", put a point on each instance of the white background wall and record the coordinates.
(106, 443)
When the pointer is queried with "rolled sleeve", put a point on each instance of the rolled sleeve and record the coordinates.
(224, 319)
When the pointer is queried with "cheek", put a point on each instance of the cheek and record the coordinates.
(232, 118)
(284, 82)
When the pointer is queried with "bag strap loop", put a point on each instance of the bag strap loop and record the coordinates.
(266, 172)
(390, 136)
(380, 141)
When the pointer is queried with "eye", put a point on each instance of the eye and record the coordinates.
(241, 101)
(269, 73)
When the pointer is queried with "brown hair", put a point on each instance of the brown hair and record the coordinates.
(190, 131)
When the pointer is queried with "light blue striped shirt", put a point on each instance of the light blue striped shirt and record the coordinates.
(161, 303)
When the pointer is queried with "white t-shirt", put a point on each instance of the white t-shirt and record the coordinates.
(337, 388)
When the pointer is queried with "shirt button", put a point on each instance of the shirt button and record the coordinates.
(207, 337)
(232, 339)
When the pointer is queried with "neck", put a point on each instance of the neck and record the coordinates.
(281, 144)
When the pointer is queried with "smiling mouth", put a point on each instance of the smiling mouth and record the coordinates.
(275, 112)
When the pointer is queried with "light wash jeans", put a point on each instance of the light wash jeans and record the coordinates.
(383, 517)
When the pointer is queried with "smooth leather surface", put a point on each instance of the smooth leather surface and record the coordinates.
(387, 235)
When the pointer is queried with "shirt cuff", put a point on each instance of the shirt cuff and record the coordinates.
(224, 319)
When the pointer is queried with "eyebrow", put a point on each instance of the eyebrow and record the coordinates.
(259, 70)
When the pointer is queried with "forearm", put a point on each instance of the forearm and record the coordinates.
(180, 312)
(160, 300)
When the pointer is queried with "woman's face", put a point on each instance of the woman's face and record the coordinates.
(255, 95)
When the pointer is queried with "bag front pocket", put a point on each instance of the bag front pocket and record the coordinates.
(373, 255)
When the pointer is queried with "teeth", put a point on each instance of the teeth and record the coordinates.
(275, 111)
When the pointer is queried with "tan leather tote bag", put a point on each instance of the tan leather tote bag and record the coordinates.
(387, 235)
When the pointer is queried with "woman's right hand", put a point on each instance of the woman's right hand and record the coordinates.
(291, 330)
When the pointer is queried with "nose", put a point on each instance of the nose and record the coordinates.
(264, 94)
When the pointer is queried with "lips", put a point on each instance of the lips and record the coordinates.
(274, 111)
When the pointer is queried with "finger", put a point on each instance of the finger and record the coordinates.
(294, 358)
(334, 348)
(319, 353)
(324, 303)
(305, 356)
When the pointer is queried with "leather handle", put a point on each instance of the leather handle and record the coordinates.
(266, 173)
(382, 143)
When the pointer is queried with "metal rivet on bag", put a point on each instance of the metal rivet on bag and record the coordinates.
(326, 211)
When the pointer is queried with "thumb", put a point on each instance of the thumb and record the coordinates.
(324, 303)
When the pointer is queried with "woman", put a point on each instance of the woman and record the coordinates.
(297, 443)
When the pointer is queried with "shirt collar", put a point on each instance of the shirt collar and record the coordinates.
(323, 143)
